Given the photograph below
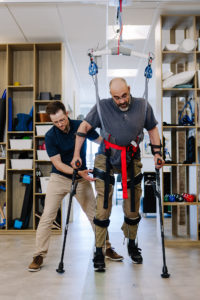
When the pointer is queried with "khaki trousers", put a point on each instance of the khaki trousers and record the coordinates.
(58, 187)
(130, 231)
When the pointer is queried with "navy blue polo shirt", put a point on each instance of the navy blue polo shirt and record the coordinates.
(59, 142)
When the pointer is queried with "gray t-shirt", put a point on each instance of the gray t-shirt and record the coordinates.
(124, 126)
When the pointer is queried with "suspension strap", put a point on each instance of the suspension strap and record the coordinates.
(93, 71)
(148, 73)
(119, 20)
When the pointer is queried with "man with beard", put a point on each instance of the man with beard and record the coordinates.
(122, 119)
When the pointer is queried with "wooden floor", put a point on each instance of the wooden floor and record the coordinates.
(122, 280)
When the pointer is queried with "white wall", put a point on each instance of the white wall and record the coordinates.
(70, 85)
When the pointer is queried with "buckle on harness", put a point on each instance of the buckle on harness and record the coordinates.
(133, 143)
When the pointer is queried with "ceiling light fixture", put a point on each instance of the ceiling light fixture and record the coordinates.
(122, 72)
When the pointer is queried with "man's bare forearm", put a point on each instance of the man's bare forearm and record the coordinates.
(83, 128)
(154, 138)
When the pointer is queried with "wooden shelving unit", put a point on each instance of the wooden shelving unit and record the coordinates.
(26, 70)
(184, 223)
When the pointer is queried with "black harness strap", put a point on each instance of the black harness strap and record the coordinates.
(137, 180)
(132, 185)
(107, 179)
(97, 173)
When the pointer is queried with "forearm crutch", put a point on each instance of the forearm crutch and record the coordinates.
(72, 193)
(165, 273)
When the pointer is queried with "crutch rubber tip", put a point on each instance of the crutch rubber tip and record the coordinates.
(61, 271)
(165, 275)
(60, 268)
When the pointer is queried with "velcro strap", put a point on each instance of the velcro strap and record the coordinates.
(81, 134)
(132, 221)
(137, 180)
(101, 223)
(100, 174)
(156, 146)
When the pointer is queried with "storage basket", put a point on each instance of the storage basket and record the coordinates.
(42, 129)
(42, 155)
(21, 164)
(44, 183)
(21, 144)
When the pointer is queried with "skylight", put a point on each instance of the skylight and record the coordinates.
(122, 72)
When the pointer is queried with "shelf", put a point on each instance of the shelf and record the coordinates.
(181, 165)
(176, 57)
(20, 132)
(165, 128)
(180, 203)
(182, 226)
(42, 161)
(21, 88)
(19, 170)
(19, 150)
(177, 92)
(45, 101)
(38, 68)
(43, 123)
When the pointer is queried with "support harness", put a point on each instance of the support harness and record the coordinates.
(133, 147)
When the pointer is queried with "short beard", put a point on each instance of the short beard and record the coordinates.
(124, 109)
(67, 128)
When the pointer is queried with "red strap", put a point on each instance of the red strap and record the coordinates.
(123, 163)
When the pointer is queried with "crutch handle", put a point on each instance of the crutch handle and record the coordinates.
(77, 163)
(159, 161)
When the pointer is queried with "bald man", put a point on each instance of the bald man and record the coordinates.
(124, 119)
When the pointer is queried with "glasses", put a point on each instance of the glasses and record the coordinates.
(61, 121)
(124, 96)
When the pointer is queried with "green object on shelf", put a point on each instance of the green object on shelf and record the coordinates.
(166, 198)
(26, 138)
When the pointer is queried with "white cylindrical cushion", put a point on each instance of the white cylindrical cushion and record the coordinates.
(167, 74)
(180, 78)
(187, 45)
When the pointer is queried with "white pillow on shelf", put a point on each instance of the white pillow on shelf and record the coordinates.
(180, 78)
(167, 74)
(187, 45)
(171, 47)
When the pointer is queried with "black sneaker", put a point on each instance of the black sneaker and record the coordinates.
(134, 252)
(99, 261)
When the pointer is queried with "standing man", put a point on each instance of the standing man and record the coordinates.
(124, 119)
(60, 141)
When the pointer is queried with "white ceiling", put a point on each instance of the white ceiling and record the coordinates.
(82, 25)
